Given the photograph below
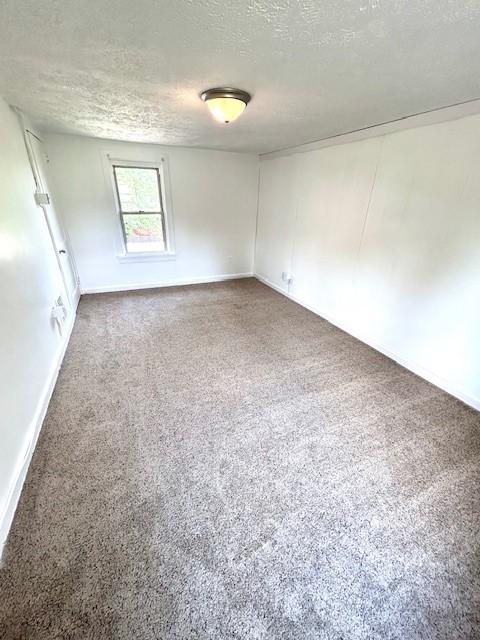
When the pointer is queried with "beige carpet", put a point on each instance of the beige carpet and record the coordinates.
(219, 463)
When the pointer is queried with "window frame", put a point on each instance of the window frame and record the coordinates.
(161, 167)
(123, 213)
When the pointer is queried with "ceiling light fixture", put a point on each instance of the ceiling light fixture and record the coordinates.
(226, 104)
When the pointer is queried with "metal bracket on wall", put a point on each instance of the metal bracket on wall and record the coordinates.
(42, 198)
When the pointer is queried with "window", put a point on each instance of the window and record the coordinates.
(142, 213)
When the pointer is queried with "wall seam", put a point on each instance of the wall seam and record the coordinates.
(372, 188)
(254, 260)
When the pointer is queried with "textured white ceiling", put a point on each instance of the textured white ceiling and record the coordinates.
(133, 69)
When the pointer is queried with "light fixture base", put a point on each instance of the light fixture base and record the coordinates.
(226, 92)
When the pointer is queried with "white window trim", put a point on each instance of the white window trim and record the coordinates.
(122, 254)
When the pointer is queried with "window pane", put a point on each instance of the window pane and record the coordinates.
(144, 232)
(138, 189)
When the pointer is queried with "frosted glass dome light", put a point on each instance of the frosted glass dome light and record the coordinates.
(226, 104)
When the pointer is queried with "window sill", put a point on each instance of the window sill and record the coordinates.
(147, 257)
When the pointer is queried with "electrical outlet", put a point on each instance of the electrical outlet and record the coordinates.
(287, 277)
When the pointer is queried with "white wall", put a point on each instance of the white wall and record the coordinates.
(383, 239)
(30, 344)
(214, 198)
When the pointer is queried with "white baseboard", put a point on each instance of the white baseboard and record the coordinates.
(6, 518)
(169, 283)
(438, 381)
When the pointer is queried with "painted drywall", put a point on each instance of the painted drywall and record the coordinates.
(382, 237)
(31, 346)
(213, 197)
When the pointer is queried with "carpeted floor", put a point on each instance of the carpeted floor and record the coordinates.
(219, 463)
